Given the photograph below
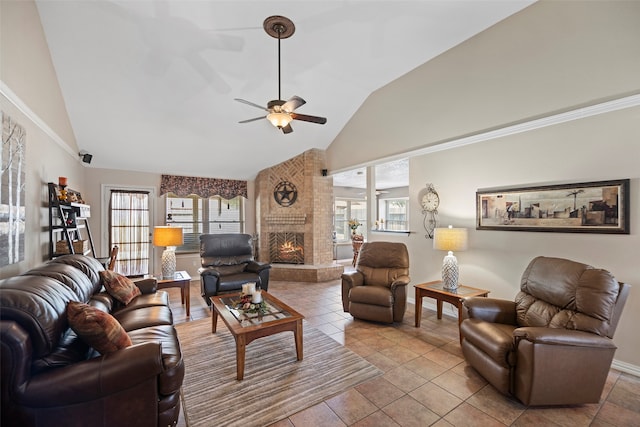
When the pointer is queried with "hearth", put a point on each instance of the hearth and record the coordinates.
(286, 247)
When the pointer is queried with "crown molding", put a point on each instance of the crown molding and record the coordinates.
(529, 125)
(31, 115)
(621, 103)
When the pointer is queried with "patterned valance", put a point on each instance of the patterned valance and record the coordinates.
(183, 186)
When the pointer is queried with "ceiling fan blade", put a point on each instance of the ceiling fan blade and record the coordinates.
(306, 118)
(244, 101)
(293, 103)
(287, 129)
(253, 120)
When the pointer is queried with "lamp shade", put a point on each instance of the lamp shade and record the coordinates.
(167, 236)
(450, 239)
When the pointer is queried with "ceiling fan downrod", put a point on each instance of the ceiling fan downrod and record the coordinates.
(279, 27)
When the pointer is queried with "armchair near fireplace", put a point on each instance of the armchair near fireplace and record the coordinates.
(227, 263)
(376, 290)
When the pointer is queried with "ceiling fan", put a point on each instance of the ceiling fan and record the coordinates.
(280, 113)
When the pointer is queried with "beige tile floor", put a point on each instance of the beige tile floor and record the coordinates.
(426, 380)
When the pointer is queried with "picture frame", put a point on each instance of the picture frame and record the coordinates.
(587, 207)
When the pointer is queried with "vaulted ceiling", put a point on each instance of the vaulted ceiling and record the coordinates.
(150, 85)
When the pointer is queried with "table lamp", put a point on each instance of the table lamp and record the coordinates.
(170, 237)
(450, 239)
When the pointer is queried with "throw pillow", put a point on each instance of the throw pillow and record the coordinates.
(95, 327)
(119, 286)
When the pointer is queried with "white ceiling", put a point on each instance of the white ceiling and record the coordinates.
(149, 85)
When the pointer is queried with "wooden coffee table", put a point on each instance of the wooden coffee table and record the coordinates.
(246, 327)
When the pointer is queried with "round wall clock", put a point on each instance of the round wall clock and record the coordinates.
(429, 200)
(285, 193)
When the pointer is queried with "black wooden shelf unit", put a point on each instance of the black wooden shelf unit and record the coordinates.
(68, 221)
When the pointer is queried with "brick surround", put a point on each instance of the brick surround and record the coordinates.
(311, 214)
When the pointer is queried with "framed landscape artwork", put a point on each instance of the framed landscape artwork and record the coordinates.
(589, 207)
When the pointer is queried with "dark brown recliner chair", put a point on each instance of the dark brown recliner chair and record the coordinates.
(377, 289)
(552, 345)
(227, 263)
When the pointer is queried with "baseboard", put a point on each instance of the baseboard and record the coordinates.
(618, 365)
(625, 367)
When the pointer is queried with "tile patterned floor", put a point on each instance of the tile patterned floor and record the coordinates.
(426, 380)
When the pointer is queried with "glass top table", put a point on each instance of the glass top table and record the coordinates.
(268, 311)
(248, 325)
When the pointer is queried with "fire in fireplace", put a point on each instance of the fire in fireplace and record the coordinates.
(286, 247)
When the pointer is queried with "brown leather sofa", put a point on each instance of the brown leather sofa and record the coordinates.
(377, 289)
(50, 377)
(227, 263)
(552, 345)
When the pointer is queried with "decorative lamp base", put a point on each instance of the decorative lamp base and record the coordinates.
(450, 272)
(168, 262)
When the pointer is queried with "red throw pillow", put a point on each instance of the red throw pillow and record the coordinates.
(95, 327)
(119, 286)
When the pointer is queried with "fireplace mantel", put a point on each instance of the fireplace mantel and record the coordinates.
(293, 218)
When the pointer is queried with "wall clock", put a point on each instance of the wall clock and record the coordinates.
(285, 193)
(429, 200)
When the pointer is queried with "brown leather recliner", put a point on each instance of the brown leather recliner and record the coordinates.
(552, 345)
(377, 289)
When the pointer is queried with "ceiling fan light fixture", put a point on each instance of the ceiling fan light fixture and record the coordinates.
(279, 119)
(281, 113)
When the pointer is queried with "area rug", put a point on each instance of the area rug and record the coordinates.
(275, 384)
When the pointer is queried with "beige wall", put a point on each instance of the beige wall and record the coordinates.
(31, 96)
(45, 162)
(549, 58)
(26, 66)
(571, 152)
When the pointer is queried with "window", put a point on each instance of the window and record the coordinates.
(392, 195)
(395, 214)
(129, 229)
(346, 209)
(391, 204)
(198, 215)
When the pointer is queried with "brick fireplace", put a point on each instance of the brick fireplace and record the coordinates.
(295, 237)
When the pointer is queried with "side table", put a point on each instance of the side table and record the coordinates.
(436, 291)
(182, 280)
